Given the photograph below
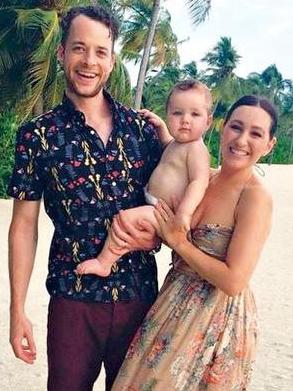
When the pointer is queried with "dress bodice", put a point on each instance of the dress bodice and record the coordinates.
(213, 239)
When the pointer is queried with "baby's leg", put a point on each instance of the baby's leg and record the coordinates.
(111, 252)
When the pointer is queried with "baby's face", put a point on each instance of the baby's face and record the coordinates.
(187, 115)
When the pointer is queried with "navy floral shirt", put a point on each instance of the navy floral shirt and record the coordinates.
(84, 184)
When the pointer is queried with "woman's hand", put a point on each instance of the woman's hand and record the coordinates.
(169, 231)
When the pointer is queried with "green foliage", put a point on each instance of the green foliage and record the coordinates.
(8, 127)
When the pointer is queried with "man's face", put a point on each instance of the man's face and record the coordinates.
(87, 57)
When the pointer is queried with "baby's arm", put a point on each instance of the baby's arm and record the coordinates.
(159, 124)
(198, 164)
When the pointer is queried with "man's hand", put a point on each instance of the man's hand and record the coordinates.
(21, 338)
(141, 237)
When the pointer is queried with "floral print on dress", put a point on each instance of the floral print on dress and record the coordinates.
(194, 337)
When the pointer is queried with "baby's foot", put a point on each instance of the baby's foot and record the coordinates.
(94, 266)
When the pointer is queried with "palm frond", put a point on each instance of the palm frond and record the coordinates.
(199, 10)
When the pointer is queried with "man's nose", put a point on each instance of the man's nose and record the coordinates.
(90, 57)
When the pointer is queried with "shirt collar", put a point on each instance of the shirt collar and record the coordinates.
(69, 107)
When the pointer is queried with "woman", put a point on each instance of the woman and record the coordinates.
(201, 332)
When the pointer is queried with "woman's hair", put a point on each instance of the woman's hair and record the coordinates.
(191, 84)
(256, 101)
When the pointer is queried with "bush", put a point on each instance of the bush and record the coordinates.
(8, 127)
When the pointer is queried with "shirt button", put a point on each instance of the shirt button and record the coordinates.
(92, 132)
(113, 183)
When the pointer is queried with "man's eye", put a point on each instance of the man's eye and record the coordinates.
(78, 48)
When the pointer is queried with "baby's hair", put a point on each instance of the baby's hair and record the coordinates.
(192, 84)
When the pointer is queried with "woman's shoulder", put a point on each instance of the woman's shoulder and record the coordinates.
(255, 194)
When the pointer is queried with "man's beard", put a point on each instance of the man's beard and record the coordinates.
(73, 88)
(84, 91)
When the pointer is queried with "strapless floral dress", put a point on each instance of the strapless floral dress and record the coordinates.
(195, 337)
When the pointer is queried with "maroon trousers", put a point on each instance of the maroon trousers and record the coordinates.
(82, 336)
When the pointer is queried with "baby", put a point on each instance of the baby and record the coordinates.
(183, 171)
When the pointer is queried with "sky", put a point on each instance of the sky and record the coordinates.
(261, 32)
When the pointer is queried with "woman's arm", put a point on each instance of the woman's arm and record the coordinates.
(251, 230)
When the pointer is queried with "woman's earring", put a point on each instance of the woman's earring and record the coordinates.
(259, 170)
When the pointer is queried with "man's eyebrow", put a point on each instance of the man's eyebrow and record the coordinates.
(78, 43)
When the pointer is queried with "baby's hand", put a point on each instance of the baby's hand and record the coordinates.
(182, 221)
(152, 117)
(159, 124)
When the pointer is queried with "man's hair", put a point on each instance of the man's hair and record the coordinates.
(97, 13)
(192, 84)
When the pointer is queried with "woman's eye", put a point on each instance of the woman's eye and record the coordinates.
(236, 127)
(256, 134)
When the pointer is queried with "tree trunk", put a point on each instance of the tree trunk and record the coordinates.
(146, 54)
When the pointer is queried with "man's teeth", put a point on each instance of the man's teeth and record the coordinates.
(239, 152)
(88, 75)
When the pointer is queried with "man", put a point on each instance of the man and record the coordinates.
(89, 158)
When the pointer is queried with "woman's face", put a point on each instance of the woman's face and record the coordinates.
(246, 136)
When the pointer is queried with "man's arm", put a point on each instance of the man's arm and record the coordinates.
(23, 234)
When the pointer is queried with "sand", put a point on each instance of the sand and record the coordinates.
(272, 284)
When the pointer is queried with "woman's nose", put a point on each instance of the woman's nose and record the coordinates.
(242, 138)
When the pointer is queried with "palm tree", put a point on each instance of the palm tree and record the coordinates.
(199, 11)
(30, 77)
(270, 83)
(222, 61)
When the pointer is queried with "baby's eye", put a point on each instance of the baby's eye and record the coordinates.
(177, 112)
(195, 114)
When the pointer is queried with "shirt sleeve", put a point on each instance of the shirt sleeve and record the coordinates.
(154, 147)
(25, 182)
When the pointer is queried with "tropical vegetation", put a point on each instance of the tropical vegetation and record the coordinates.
(31, 80)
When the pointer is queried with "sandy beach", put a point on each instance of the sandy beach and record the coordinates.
(272, 284)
